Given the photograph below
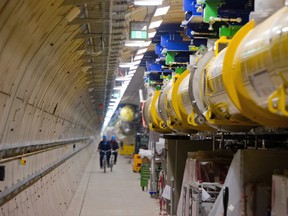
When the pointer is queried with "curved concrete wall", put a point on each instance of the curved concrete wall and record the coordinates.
(43, 92)
(44, 104)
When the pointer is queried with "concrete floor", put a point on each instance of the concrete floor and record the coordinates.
(112, 193)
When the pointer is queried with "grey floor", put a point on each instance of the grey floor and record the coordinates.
(111, 193)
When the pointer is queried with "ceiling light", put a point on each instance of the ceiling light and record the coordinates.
(126, 65)
(138, 57)
(148, 2)
(123, 78)
(147, 43)
(140, 51)
(155, 24)
(136, 63)
(134, 67)
(134, 43)
(151, 34)
(117, 88)
(132, 72)
(161, 11)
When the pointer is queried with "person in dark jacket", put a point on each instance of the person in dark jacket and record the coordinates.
(114, 146)
(104, 145)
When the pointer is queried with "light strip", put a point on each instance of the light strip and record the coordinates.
(151, 34)
(140, 51)
(161, 11)
(123, 78)
(132, 71)
(126, 65)
(134, 43)
(148, 2)
(155, 24)
(134, 67)
(147, 43)
(138, 57)
(117, 88)
(136, 63)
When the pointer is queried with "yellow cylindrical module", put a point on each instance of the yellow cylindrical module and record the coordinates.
(152, 116)
(220, 111)
(255, 72)
(182, 105)
(173, 121)
(170, 107)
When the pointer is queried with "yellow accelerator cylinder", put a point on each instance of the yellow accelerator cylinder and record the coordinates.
(153, 117)
(221, 112)
(172, 121)
(182, 104)
(255, 71)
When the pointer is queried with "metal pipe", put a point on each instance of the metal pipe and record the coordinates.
(13, 150)
(172, 196)
(27, 154)
(153, 183)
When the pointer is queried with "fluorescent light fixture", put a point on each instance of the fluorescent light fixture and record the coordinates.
(151, 34)
(155, 24)
(161, 11)
(136, 63)
(130, 75)
(132, 72)
(147, 43)
(140, 51)
(138, 57)
(125, 65)
(134, 67)
(147, 2)
(123, 78)
(134, 43)
(117, 88)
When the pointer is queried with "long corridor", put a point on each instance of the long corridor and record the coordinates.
(112, 193)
